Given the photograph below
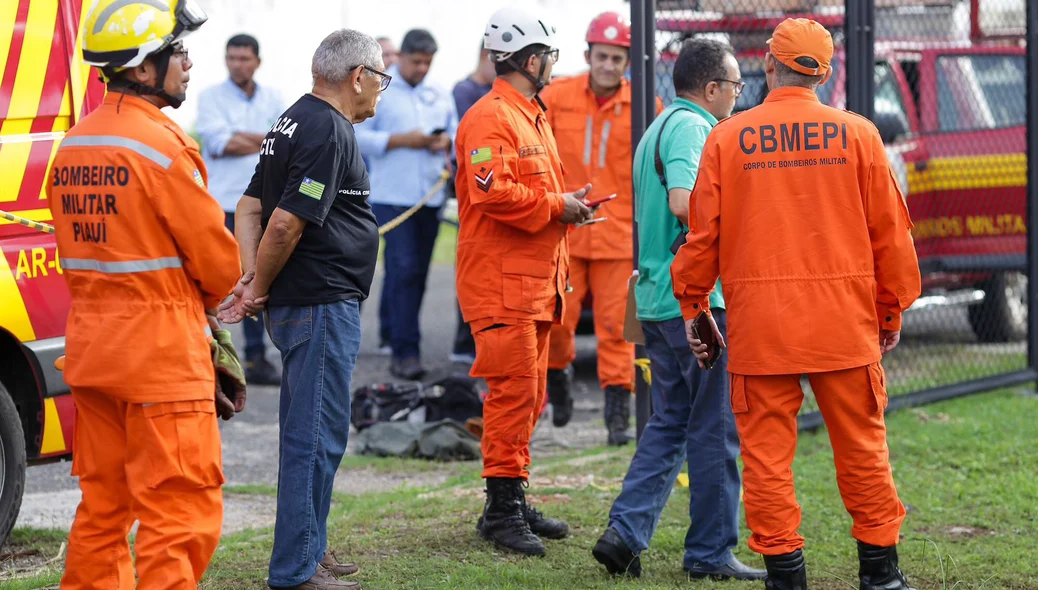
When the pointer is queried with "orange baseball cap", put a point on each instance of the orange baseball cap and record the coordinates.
(803, 37)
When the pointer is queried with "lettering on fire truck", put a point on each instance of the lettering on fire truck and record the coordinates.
(973, 225)
(33, 263)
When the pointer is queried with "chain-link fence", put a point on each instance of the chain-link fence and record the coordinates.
(949, 93)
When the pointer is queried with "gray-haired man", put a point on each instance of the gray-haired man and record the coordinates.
(306, 231)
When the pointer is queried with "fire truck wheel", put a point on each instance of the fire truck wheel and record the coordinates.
(12, 464)
(1002, 315)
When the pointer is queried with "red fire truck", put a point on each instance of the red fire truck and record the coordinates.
(44, 90)
(953, 117)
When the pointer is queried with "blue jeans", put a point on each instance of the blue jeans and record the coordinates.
(691, 417)
(254, 346)
(319, 346)
(408, 253)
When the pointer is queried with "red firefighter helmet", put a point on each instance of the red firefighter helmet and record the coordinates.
(610, 28)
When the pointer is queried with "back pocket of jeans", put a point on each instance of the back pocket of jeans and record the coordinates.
(290, 326)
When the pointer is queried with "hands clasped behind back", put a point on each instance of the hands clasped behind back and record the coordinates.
(244, 302)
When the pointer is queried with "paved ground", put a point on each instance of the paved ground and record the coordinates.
(250, 439)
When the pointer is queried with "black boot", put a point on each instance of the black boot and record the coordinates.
(877, 568)
(560, 386)
(786, 572)
(542, 526)
(260, 371)
(503, 521)
(617, 414)
(613, 553)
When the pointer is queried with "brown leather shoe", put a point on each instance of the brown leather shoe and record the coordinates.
(323, 580)
(338, 569)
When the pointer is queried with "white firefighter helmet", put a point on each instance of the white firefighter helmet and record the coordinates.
(514, 27)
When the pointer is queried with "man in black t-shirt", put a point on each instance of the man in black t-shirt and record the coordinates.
(308, 243)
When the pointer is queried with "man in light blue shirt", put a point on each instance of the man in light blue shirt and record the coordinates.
(407, 144)
(233, 118)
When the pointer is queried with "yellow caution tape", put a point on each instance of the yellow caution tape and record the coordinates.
(43, 227)
(393, 224)
(643, 364)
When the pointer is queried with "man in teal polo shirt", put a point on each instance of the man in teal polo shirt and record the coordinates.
(692, 414)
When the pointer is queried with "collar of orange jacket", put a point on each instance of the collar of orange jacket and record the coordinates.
(791, 93)
(528, 106)
(622, 95)
(127, 101)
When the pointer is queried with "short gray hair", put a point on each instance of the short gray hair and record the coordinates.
(341, 52)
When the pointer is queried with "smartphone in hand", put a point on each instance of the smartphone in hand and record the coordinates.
(598, 202)
(590, 221)
(704, 332)
(438, 131)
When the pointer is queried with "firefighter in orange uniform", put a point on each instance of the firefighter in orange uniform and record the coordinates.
(145, 255)
(809, 229)
(511, 270)
(591, 117)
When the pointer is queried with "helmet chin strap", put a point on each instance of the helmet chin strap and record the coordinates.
(162, 66)
(539, 82)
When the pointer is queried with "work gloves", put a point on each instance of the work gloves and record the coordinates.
(230, 377)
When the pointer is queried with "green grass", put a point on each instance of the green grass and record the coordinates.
(965, 468)
(443, 251)
(252, 489)
(35, 547)
(446, 244)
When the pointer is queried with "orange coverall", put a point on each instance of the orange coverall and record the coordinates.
(595, 145)
(797, 208)
(512, 264)
(144, 252)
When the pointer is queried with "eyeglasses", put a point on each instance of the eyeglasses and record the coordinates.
(738, 84)
(385, 78)
(181, 53)
(554, 53)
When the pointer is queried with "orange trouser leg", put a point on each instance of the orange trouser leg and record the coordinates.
(563, 344)
(98, 552)
(765, 409)
(852, 403)
(175, 472)
(608, 279)
(514, 361)
(159, 463)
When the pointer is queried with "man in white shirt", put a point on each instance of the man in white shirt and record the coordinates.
(233, 118)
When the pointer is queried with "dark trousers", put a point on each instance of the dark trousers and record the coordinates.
(408, 253)
(464, 343)
(254, 346)
(692, 421)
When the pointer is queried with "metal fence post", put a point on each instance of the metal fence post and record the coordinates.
(1032, 184)
(643, 103)
(861, 55)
